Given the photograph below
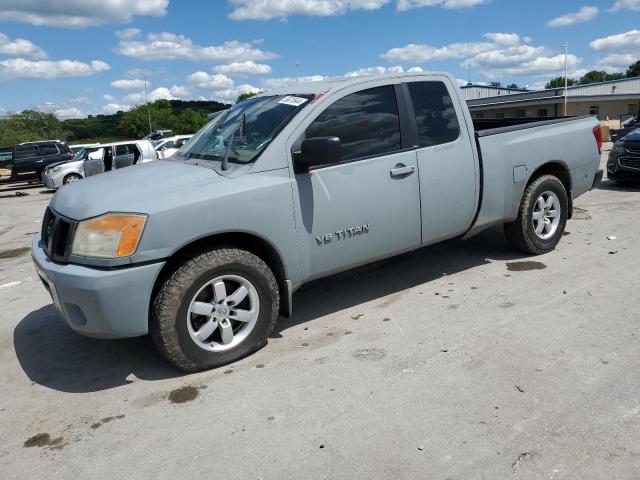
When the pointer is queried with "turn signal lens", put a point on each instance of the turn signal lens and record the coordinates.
(108, 236)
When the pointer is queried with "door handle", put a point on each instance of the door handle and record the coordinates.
(401, 170)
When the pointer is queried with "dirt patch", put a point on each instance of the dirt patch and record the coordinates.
(42, 440)
(525, 266)
(580, 214)
(14, 252)
(369, 354)
(184, 394)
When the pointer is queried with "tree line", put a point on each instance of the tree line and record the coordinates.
(177, 115)
(596, 76)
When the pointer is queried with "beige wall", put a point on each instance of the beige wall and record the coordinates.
(612, 109)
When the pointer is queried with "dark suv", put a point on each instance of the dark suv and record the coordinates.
(26, 161)
(624, 158)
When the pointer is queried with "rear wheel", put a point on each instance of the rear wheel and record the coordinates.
(72, 177)
(542, 216)
(215, 308)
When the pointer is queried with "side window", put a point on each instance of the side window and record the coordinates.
(169, 144)
(48, 149)
(435, 115)
(121, 150)
(6, 153)
(366, 122)
(26, 151)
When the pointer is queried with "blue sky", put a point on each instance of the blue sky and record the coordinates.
(79, 57)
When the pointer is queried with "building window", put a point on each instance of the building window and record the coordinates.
(520, 114)
(499, 115)
(594, 110)
(632, 109)
(479, 116)
(542, 112)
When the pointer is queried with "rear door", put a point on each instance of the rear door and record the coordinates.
(448, 169)
(27, 162)
(367, 206)
(125, 155)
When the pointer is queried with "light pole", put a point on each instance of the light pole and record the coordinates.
(566, 74)
(146, 99)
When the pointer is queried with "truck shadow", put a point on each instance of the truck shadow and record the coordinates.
(52, 355)
(345, 290)
(629, 186)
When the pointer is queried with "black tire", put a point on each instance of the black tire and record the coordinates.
(520, 233)
(71, 178)
(168, 326)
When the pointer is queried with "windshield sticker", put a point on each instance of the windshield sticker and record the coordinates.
(293, 101)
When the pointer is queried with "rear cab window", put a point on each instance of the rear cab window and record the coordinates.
(436, 116)
(48, 149)
(366, 122)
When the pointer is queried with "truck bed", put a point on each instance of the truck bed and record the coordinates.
(494, 126)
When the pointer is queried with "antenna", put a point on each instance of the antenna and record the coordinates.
(298, 71)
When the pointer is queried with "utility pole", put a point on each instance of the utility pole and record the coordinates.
(566, 76)
(146, 98)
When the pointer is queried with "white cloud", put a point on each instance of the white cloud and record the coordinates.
(627, 42)
(44, 69)
(79, 13)
(230, 95)
(129, 84)
(243, 68)
(374, 71)
(71, 112)
(109, 98)
(270, 9)
(169, 46)
(616, 62)
(448, 4)
(420, 53)
(495, 56)
(111, 108)
(81, 100)
(179, 91)
(633, 5)
(20, 48)
(282, 82)
(127, 33)
(205, 81)
(585, 14)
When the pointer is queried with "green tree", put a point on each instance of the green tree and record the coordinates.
(190, 121)
(596, 76)
(29, 126)
(513, 85)
(244, 96)
(558, 82)
(495, 84)
(634, 70)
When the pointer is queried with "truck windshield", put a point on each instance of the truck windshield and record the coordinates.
(244, 131)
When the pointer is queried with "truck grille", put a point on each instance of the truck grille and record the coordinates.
(57, 233)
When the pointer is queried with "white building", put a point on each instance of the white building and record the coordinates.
(613, 100)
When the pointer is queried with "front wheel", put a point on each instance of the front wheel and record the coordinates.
(72, 177)
(215, 308)
(542, 216)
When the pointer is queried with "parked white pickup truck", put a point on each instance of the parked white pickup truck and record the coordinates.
(205, 249)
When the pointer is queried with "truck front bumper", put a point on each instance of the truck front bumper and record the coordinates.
(101, 303)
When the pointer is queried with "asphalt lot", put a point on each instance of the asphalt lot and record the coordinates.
(454, 362)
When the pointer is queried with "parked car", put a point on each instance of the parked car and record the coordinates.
(98, 159)
(26, 161)
(623, 163)
(627, 125)
(203, 250)
(168, 146)
(157, 135)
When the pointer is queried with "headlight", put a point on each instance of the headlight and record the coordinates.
(55, 169)
(109, 236)
(617, 147)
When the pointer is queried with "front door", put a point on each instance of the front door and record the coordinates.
(448, 169)
(94, 162)
(27, 162)
(367, 206)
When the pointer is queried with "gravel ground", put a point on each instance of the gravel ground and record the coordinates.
(458, 361)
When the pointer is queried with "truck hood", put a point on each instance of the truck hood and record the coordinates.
(143, 188)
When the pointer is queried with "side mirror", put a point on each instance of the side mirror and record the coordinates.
(317, 151)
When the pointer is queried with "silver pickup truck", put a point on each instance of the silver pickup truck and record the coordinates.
(204, 250)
